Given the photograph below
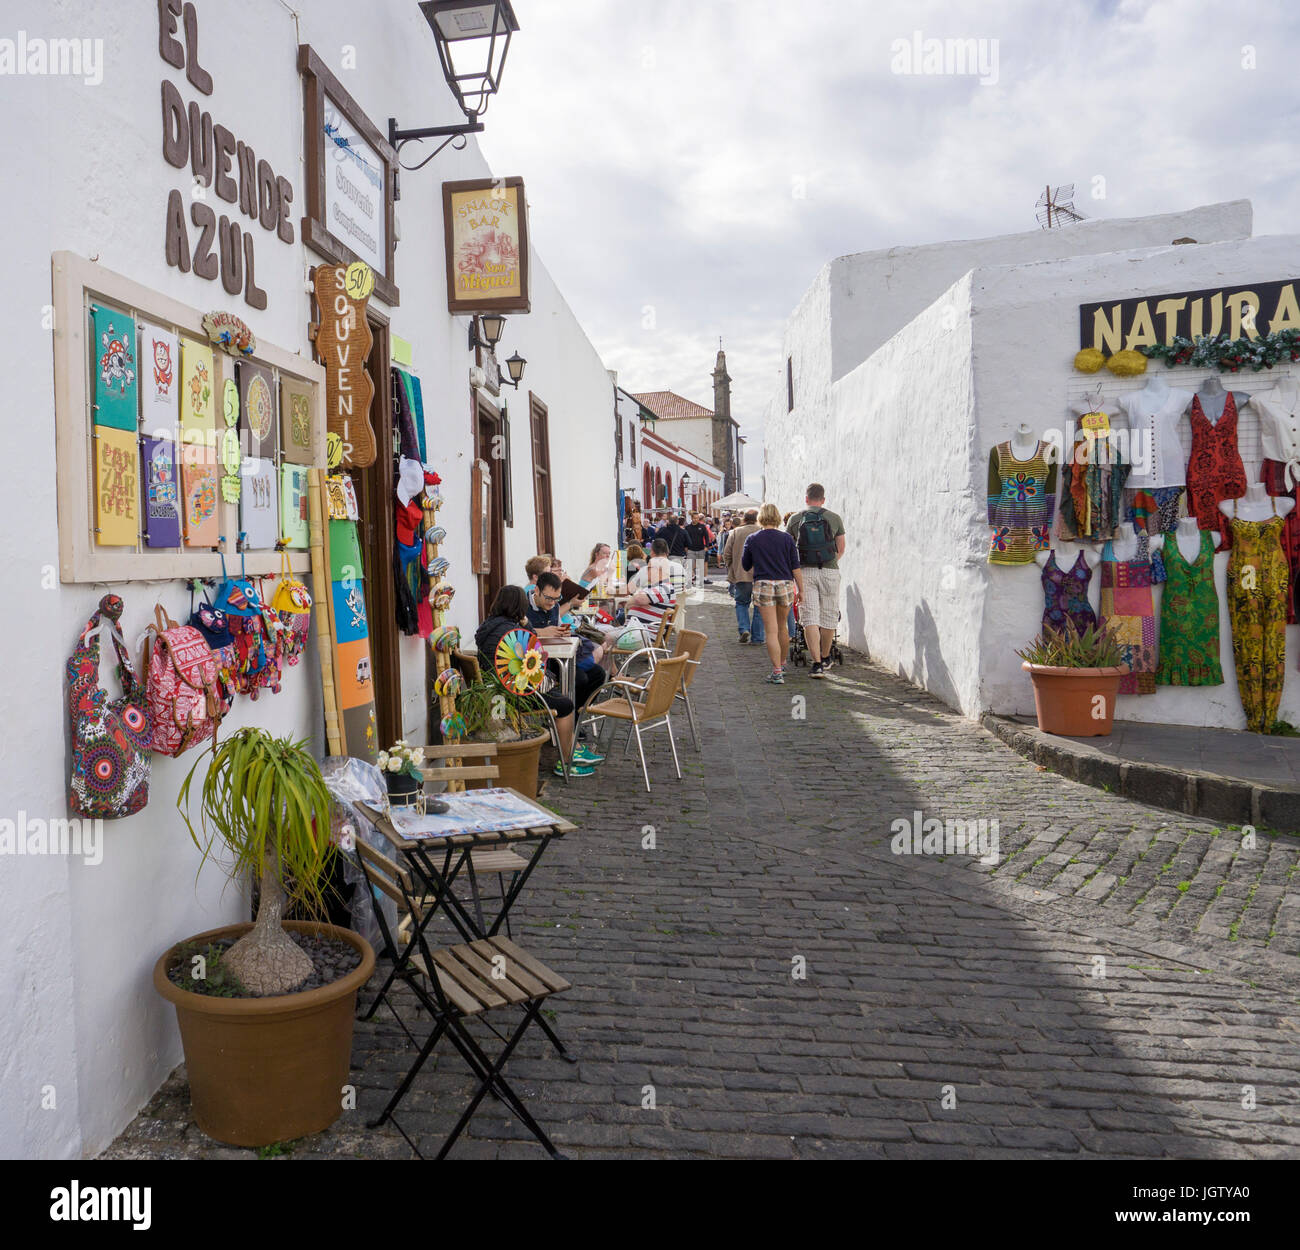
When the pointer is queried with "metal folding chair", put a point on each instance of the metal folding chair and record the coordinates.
(464, 981)
(651, 710)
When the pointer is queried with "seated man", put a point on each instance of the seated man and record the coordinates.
(544, 618)
(658, 569)
(651, 603)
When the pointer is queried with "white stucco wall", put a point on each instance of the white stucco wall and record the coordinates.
(872, 294)
(78, 942)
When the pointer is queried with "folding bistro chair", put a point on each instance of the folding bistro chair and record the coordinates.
(652, 710)
(484, 862)
(466, 980)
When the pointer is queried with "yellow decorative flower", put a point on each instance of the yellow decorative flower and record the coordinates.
(1127, 364)
(1089, 360)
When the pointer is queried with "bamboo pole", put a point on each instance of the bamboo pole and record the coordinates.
(441, 660)
(335, 739)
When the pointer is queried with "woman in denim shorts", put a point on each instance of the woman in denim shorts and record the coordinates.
(773, 557)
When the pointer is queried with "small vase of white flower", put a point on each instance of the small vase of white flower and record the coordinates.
(401, 766)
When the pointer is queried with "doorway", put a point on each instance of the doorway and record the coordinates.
(489, 445)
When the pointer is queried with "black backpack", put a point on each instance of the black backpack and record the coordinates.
(816, 542)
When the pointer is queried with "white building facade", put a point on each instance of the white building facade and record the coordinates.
(86, 1038)
(904, 369)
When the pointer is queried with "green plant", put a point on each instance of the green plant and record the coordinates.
(495, 713)
(1093, 647)
(402, 758)
(264, 799)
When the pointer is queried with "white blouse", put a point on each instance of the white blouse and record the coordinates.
(1154, 420)
(1279, 426)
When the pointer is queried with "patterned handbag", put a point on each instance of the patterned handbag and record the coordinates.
(110, 737)
(185, 702)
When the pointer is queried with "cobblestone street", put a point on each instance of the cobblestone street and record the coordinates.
(1123, 982)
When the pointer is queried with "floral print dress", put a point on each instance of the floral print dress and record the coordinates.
(1257, 591)
(1214, 469)
(1065, 595)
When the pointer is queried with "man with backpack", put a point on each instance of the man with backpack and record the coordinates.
(819, 533)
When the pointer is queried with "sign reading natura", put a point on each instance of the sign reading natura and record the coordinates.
(1240, 311)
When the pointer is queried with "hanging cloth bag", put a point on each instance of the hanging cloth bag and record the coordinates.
(110, 737)
(185, 701)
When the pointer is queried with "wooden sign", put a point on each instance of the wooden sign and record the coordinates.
(485, 223)
(343, 342)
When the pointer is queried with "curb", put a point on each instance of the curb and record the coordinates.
(1228, 800)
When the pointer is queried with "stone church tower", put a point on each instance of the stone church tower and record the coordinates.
(724, 445)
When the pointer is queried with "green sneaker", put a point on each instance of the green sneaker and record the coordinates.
(587, 755)
(576, 769)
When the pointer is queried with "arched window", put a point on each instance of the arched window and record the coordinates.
(648, 495)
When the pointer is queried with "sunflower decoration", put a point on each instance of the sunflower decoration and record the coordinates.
(520, 661)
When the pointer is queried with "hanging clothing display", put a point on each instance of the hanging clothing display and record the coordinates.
(1214, 469)
(1189, 618)
(1257, 587)
(1153, 416)
(1279, 427)
(1127, 606)
(1021, 495)
(1065, 595)
(1092, 487)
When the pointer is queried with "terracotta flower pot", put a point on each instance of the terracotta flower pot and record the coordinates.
(517, 764)
(1074, 702)
(263, 1070)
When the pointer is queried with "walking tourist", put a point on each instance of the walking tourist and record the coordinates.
(773, 558)
(740, 581)
(697, 546)
(819, 534)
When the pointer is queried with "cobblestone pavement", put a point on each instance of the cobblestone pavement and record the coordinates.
(1123, 982)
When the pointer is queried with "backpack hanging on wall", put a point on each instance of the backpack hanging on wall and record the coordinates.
(185, 702)
(110, 737)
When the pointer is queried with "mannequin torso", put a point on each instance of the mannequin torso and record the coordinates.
(1125, 543)
(1214, 398)
(1256, 505)
(1188, 538)
(1023, 442)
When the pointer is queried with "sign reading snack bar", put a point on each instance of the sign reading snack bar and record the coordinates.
(1242, 311)
(343, 342)
(485, 224)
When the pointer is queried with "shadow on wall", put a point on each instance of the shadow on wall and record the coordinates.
(928, 669)
(855, 617)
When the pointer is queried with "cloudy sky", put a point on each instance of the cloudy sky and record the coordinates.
(691, 164)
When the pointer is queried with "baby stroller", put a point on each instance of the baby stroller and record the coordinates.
(799, 647)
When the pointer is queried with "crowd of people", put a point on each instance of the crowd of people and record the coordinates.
(775, 566)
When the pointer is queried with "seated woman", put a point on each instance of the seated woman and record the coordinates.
(510, 611)
(636, 559)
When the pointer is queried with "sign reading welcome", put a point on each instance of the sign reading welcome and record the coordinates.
(1237, 311)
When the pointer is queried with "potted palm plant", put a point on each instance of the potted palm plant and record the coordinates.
(1076, 675)
(266, 1026)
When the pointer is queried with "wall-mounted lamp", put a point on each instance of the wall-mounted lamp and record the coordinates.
(491, 324)
(515, 366)
(472, 38)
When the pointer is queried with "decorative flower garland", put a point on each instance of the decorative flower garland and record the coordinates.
(1228, 355)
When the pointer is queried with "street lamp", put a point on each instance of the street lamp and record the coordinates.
(491, 324)
(472, 38)
(515, 365)
(681, 487)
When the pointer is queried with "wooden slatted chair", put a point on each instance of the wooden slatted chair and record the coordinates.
(485, 862)
(651, 710)
(464, 981)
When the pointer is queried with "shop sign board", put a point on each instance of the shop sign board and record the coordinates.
(485, 224)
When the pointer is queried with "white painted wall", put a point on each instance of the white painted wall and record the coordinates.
(77, 1010)
(693, 434)
(874, 293)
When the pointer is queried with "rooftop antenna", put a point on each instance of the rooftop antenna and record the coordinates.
(1056, 208)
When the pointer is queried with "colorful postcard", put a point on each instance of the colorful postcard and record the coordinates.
(257, 402)
(198, 394)
(297, 425)
(259, 505)
(117, 487)
(113, 358)
(199, 496)
(160, 381)
(162, 494)
(294, 511)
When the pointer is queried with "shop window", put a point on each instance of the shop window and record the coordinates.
(542, 474)
(115, 402)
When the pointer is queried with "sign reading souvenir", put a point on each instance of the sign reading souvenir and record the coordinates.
(114, 362)
(117, 487)
(259, 505)
(229, 333)
(196, 236)
(351, 180)
(1243, 311)
(296, 421)
(485, 224)
(257, 402)
(160, 371)
(343, 341)
(197, 388)
(199, 493)
(231, 457)
(294, 506)
(162, 493)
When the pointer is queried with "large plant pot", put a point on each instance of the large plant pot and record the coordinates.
(1074, 702)
(263, 1070)
(517, 764)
